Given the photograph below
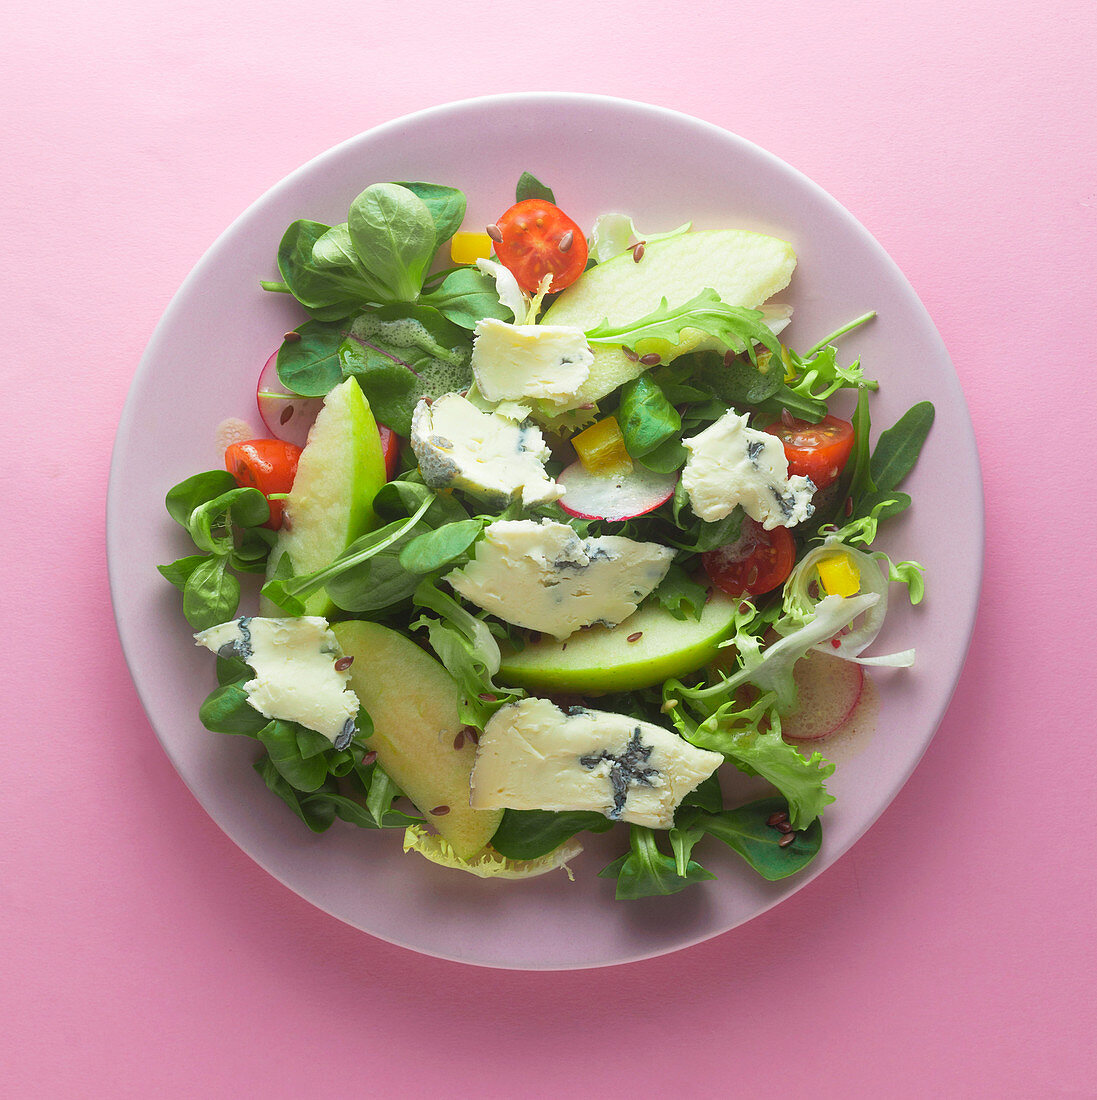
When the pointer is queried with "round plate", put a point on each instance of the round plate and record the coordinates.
(599, 155)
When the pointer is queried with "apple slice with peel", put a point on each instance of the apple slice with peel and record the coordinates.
(417, 731)
(331, 502)
(743, 268)
(614, 496)
(646, 649)
(286, 414)
(828, 689)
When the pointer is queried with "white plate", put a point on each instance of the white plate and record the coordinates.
(598, 154)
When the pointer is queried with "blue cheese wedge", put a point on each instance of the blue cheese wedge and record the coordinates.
(296, 675)
(544, 577)
(547, 362)
(732, 464)
(485, 453)
(534, 756)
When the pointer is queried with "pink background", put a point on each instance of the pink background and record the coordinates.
(950, 953)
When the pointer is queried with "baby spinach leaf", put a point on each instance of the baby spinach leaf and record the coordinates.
(178, 571)
(530, 187)
(191, 493)
(646, 418)
(466, 297)
(745, 830)
(318, 815)
(446, 205)
(433, 549)
(310, 365)
(280, 739)
(211, 594)
(529, 834)
(898, 447)
(226, 710)
(392, 232)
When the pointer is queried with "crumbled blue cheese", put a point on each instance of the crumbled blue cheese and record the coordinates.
(534, 756)
(296, 678)
(544, 577)
(732, 464)
(547, 362)
(485, 453)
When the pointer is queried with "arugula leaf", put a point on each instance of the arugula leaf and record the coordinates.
(644, 871)
(898, 447)
(680, 594)
(732, 325)
(530, 187)
(529, 834)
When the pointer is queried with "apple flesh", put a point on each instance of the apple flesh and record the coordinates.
(743, 268)
(331, 503)
(644, 650)
(417, 730)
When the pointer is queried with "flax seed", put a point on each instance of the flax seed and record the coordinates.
(786, 840)
(343, 664)
(495, 233)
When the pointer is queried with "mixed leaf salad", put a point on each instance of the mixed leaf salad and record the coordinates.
(564, 487)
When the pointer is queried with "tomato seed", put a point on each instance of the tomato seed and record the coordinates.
(287, 412)
(495, 233)
(343, 664)
(565, 241)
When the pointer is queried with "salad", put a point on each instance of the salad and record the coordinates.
(551, 529)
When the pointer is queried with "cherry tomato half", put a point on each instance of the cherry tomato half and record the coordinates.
(269, 465)
(540, 239)
(818, 451)
(758, 561)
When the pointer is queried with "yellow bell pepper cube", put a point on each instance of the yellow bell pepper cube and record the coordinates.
(467, 248)
(839, 575)
(601, 448)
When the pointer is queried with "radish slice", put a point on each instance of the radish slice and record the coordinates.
(829, 689)
(614, 496)
(287, 415)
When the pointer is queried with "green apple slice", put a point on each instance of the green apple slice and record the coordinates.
(743, 268)
(644, 650)
(331, 504)
(417, 730)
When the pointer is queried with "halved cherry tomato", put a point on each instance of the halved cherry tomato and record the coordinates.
(818, 451)
(269, 465)
(757, 562)
(390, 449)
(540, 239)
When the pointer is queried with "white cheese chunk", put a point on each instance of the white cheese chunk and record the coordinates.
(534, 756)
(485, 453)
(544, 577)
(732, 464)
(296, 679)
(549, 362)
